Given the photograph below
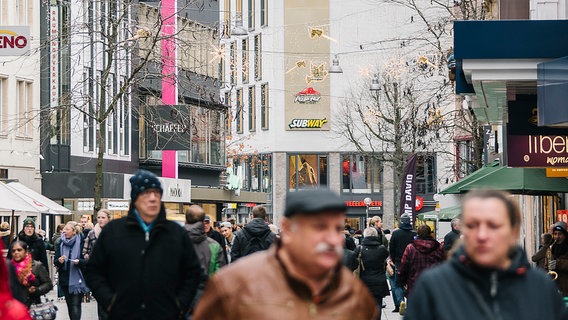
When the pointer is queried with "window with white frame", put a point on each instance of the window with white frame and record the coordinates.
(24, 103)
(263, 13)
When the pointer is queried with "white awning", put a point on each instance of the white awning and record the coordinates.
(11, 200)
(42, 203)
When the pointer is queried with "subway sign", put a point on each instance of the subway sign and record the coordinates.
(307, 123)
(14, 40)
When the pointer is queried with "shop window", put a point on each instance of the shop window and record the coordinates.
(465, 157)
(426, 174)
(305, 171)
(361, 174)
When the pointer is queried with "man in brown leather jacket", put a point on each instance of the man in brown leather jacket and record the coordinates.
(299, 277)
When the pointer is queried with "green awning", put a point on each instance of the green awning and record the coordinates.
(514, 180)
(485, 170)
(445, 214)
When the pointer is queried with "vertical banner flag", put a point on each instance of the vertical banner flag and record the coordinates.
(408, 188)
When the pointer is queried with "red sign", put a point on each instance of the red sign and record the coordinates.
(308, 95)
(419, 203)
(537, 151)
(562, 215)
(362, 204)
(250, 205)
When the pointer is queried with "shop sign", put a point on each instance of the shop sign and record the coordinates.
(118, 205)
(250, 205)
(562, 215)
(175, 190)
(14, 41)
(374, 208)
(537, 151)
(362, 204)
(419, 203)
(557, 172)
(307, 123)
(231, 205)
(85, 205)
(308, 95)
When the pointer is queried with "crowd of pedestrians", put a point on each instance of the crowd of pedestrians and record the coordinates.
(144, 266)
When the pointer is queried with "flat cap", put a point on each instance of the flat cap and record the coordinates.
(313, 201)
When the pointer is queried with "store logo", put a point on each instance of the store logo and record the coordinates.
(308, 95)
(307, 123)
(175, 192)
(169, 127)
(12, 40)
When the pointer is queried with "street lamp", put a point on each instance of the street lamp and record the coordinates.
(367, 201)
(335, 67)
(375, 86)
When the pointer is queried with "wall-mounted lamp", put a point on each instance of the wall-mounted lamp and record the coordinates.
(335, 67)
(375, 86)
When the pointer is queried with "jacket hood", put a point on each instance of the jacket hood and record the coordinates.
(257, 227)
(371, 241)
(426, 245)
(196, 232)
(519, 266)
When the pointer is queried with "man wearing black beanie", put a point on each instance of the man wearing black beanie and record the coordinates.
(144, 266)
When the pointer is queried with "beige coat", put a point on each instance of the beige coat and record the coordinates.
(258, 287)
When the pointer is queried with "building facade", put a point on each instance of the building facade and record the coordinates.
(290, 111)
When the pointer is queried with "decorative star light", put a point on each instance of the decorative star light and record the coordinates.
(317, 73)
(218, 53)
(317, 32)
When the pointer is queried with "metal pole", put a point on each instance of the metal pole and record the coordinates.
(367, 216)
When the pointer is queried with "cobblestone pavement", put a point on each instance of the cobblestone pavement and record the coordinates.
(88, 309)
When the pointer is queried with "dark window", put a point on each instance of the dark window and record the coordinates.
(426, 174)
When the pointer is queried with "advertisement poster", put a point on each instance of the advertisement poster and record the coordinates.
(303, 171)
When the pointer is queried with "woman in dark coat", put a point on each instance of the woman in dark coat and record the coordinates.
(69, 261)
(32, 278)
(373, 257)
(34, 242)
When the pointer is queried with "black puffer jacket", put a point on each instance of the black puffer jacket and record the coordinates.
(458, 289)
(36, 248)
(256, 228)
(373, 255)
(135, 277)
(399, 240)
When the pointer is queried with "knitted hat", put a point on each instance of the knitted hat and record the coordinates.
(404, 218)
(29, 221)
(143, 180)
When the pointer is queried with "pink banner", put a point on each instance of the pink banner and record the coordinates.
(169, 52)
(169, 164)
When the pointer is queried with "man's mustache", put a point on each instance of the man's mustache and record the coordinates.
(324, 247)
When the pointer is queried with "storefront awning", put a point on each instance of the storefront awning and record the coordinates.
(485, 170)
(514, 180)
(445, 214)
(42, 203)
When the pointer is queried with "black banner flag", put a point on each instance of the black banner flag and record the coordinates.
(408, 188)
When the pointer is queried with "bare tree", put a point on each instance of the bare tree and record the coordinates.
(114, 49)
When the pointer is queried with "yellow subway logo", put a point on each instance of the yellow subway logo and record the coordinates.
(307, 123)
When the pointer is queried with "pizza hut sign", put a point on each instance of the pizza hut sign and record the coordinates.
(308, 95)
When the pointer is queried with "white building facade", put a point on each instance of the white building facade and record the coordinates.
(287, 107)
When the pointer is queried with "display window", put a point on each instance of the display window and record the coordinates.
(307, 171)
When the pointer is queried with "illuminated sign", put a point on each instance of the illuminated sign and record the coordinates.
(14, 40)
(308, 95)
(307, 123)
(362, 204)
(537, 151)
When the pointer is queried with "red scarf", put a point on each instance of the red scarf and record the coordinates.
(24, 270)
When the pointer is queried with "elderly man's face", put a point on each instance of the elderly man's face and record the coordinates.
(314, 242)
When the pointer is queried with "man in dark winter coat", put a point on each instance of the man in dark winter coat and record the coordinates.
(256, 231)
(559, 259)
(34, 242)
(451, 237)
(399, 240)
(144, 266)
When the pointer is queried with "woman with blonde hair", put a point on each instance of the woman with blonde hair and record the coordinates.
(69, 260)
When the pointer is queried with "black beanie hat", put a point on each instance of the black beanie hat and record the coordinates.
(141, 181)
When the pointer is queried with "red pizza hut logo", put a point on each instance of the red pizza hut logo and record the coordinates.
(308, 95)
